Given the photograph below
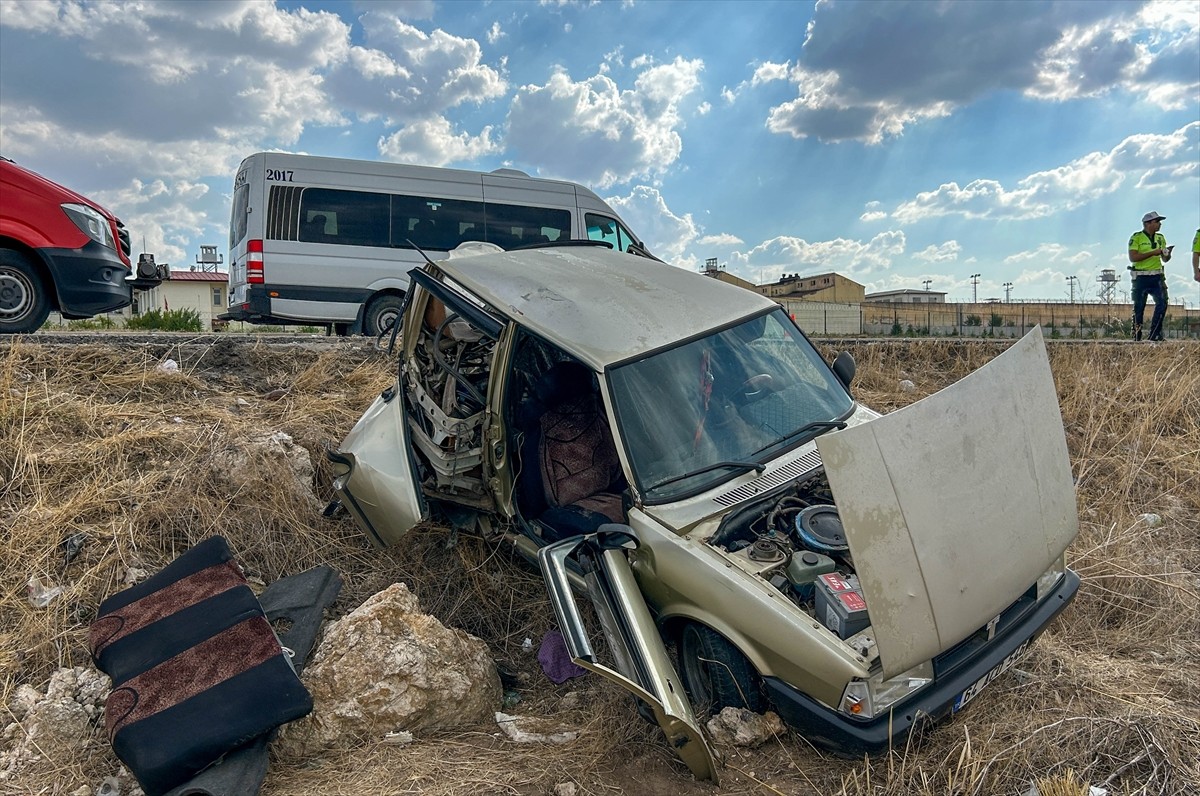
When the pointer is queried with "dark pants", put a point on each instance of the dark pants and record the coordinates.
(1155, 287)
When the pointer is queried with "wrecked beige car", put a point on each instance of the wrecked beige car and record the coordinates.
(675, 449)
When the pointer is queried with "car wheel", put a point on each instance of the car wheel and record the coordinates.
(23, 303)
(382, 312)
(716, 674)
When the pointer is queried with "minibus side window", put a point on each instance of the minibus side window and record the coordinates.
(435, 224)
(517, 225)
(351, 218)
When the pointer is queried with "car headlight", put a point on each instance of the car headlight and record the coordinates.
(1049, 579)
(866, 699)
(91, 222)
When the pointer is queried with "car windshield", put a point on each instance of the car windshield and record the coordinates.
(703, 412)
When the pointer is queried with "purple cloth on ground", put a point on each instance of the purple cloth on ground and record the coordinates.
(555, 660)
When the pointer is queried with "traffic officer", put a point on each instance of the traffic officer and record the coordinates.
(1148, 250)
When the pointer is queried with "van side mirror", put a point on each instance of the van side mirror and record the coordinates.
(843, 368)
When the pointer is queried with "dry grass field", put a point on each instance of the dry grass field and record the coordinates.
(99, 445)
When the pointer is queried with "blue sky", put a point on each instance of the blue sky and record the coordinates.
(893, 142)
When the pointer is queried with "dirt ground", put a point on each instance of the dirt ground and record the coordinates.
(101, 439)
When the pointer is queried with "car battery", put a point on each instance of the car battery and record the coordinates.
(840, 605)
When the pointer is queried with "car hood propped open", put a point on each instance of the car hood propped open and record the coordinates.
(954, 504)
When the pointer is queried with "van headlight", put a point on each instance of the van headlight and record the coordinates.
(94, 225)
(866, 699)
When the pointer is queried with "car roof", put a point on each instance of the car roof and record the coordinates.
(601, 306)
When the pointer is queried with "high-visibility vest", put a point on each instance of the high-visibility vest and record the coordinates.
(1141, 242)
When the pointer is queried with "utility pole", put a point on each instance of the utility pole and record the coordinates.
(975, 288)
(1007, 292)
(926, 283)
(1072, 279)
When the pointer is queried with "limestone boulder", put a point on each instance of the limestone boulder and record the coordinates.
(744, 728)
(386, 667)
(54, 726)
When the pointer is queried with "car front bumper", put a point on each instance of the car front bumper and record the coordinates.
(829, 728)
(89, 280)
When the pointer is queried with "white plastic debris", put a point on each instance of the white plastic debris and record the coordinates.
(167, 366)
(533, 729)
(1150, 520)
(527, 644)
(907, 386)
(398, 738)
(1096, 790)
(111, 786)
(40, 594)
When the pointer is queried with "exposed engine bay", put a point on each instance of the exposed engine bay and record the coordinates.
(796, 543)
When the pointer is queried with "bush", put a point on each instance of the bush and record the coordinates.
(185, 320)
(92, 324)
(973, 320)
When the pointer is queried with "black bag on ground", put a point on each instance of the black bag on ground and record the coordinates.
(196, 668)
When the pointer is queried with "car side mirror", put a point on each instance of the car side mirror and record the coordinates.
(843, 368)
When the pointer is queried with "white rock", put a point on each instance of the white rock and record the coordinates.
(740, 727)
(386, 666)
(907, 386)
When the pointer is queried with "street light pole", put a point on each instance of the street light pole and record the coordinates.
(1007, 292)
(975, 288)
(1072, 279)
(926, 283)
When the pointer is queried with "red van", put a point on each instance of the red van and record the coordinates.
(58, 251)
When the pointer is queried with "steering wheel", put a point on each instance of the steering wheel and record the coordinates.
(756, 388)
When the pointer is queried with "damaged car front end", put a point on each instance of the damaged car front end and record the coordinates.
(748, 534)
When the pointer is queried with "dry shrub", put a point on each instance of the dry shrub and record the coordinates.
(96, 439)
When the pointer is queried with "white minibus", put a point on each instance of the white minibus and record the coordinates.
(326, 241)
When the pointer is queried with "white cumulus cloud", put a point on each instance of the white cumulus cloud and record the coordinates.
(1171, 160)
(594, 132)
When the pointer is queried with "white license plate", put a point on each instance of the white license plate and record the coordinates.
(978, 686)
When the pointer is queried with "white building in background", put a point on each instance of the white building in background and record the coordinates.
(204, 291)
(908, 296)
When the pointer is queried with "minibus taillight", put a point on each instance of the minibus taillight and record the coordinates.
(254, 262)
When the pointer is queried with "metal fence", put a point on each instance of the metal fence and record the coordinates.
(1064, 320)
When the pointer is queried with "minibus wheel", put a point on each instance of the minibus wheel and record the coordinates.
(23, 303)
(382, 312)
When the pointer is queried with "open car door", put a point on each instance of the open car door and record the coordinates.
(638, 655)
(373, 471)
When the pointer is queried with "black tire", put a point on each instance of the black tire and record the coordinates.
(24, 305)
(716, 674)
(381, 313)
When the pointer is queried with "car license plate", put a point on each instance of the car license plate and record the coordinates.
(999, 669)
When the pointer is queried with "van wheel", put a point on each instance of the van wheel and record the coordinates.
(716, 674)
(23, 303)
(382, 312)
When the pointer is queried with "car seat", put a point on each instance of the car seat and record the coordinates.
(571, 478)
